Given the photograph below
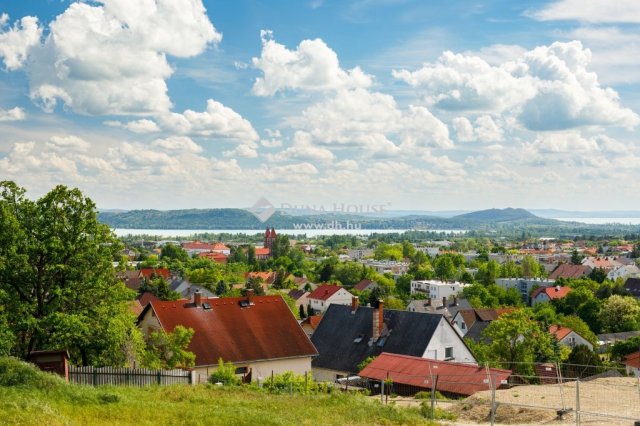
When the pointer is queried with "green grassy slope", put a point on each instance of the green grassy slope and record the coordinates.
(28, 397)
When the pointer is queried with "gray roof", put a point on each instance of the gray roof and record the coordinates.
(475, 332)
(406, 333)
(632, 285)
(616, 337)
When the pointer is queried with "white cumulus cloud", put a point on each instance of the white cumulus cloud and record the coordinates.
(13, 114)
(17, 41)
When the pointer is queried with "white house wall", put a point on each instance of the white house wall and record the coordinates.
(445, 336)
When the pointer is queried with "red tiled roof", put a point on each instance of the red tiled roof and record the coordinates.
(632, 360)
(324, 292)
(263, 251)
(147, 297)
(559, 331)
(267, 277)
(568, 270)
(216, 257)
(553, 292)
(313, 321)
(147, 273)
(452, 377)
(265, 330)
(197, 245)
(220, 246)
(362, 285)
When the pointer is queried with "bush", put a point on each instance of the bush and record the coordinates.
(289, 382)
(440, 414)
(225, 374)
(14, 372)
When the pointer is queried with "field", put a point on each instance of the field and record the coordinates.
(29, 397)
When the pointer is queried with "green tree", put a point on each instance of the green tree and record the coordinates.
(159, 287)
(169, 349)
(281, 246)
(445, 270)
(301, 313)
(408, 250)
(56, 271)
(349, 273)
(172, 251)
(388, 252)
(518, 341)
(221, 288)
(530, 267)
(251, 255)
(576, 258)
(620, 313)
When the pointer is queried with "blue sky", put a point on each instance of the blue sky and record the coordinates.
(411, 104)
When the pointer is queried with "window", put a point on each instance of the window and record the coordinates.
(448, 353)
(463, 325)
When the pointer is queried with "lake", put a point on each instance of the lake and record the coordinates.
(165, 233)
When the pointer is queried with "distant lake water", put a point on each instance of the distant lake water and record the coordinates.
(122, 232)
(602, 220)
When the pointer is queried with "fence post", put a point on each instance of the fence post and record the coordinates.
(159, 377)
(578, 401)
(559, 380)
(306, 382)
(433, 397)
(95, 376)
(492, 383)
(382, 391)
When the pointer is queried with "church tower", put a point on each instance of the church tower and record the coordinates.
(269, 238)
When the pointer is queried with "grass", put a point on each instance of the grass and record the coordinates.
(29, 397)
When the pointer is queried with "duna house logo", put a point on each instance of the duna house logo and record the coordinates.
(262, 209)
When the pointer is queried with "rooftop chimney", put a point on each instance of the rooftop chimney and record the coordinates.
(197, 298)
(455, 300)
(249, 295)
(378, 319)
(444, 302)
(354, 304)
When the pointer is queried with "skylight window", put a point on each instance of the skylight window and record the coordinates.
(206, 306)
(358, 339)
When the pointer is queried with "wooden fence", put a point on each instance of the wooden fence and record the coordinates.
(127, 376)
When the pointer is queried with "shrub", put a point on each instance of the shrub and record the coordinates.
(14, 372)
(225, 374)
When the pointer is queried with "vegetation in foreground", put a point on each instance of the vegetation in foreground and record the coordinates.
(30, 397)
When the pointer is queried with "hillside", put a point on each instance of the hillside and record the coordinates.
(498, 215)
(30, 397)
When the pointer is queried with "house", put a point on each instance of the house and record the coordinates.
(359, 253)
(632, 364)
(258, 334)
(347, 335)
(221, 248)
(215, 256)
(267, 278)
(151, 273)
(325, 295)
(131, 279)
(464, 319)
(435, 289)
(263, 253)
(365, 285)
(606, 340)
(523, 285)
(567, 337)
(607, 263)
(447, 307)
(301, 297)
(197, 247)
(412, 374)
(310, 323)
(623, 271)
(632, 285)
(568, 270)
(546, 294)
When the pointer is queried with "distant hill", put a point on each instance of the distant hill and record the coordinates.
(498, 215)
(235, 219)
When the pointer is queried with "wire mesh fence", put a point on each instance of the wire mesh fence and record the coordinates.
(538, 393)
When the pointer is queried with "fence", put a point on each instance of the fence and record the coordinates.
(127, 376)
(586, 395)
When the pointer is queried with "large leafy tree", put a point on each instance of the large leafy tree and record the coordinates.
(58, 281)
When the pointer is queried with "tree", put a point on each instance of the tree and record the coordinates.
(172, 251)
(576, 258)
(620, 313)
(349, 273)
(301, 312)
(56, 271)
(281, 246)
(159, 287)
(388, 252)
(225, 374)
(169, 349)
(408, 250)
(598, 275)
(251, 255)
(530, 267)
(444, 268)
(518, 341)
(221, 288)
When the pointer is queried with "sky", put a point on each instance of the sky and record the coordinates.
(407, 104)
